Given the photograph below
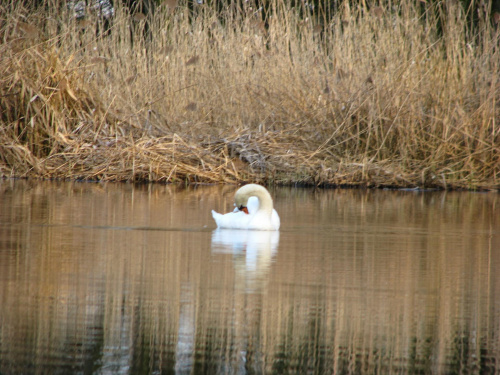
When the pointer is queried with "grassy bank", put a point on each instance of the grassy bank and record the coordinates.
(386, 96)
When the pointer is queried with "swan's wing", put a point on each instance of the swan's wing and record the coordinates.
(232, 220)
(253, 205)
(275, 220)
(216, 216)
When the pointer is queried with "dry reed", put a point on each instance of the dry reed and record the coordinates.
(373, 97)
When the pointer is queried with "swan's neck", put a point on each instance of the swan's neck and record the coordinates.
(253, 190)
(265, 201)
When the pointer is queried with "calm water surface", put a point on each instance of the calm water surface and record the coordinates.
(124, 279)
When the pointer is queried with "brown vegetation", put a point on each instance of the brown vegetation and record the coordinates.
(380, 97)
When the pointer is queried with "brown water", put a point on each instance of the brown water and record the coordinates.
(123, 279)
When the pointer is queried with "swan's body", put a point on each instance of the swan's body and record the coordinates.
(254, 210)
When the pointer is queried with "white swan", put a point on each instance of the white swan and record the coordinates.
(248, 214)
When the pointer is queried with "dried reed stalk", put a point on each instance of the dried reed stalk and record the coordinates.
(380, 97)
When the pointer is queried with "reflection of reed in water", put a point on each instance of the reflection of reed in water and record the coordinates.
(395, 284)
(227, 344)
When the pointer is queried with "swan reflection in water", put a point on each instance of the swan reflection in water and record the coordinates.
(252, 253)
(252, 250)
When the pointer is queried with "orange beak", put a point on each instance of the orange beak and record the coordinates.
(245, 210)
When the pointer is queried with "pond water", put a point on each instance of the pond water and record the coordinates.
(134, 279)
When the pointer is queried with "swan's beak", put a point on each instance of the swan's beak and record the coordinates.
(244, 209)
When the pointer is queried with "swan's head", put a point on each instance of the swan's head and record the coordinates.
(241, 202)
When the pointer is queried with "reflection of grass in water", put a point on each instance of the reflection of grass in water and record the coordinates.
(420, 359)
(488, 363)
(467, 357)
(376, 97)
(461, 355)
(301, 315)
(311, 356)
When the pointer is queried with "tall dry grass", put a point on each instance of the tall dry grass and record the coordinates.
(382, 96)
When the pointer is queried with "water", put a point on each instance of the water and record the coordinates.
(124, 279)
